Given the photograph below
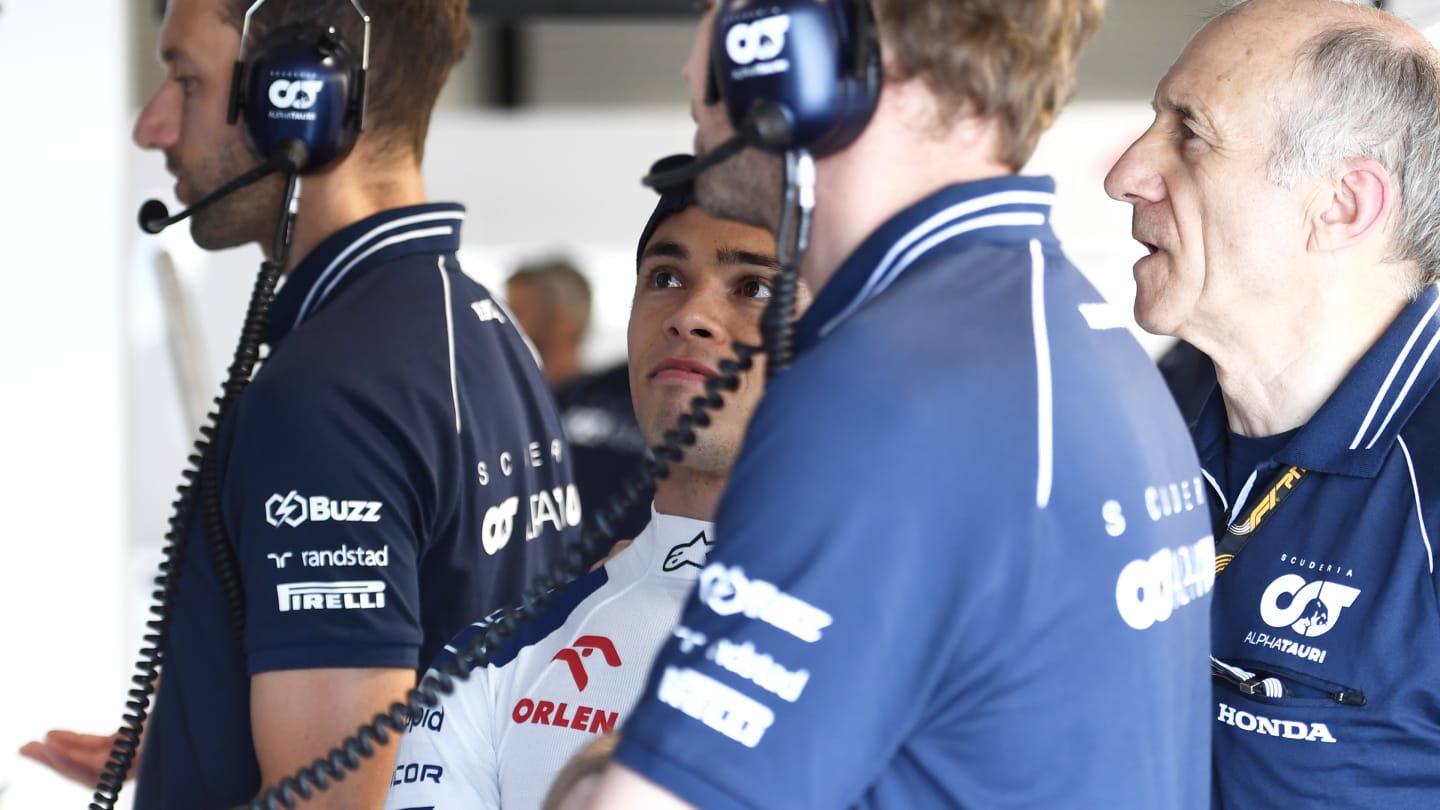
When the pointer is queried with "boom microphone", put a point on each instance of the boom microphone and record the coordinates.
(290, 156)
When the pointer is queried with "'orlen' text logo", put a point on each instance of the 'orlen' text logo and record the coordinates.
(1309, 609)
(300, 94)
(581, 649)
(365, 595)
(758, 41)
(292, 509)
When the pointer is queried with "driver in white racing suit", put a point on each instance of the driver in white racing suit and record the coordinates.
(575, 672)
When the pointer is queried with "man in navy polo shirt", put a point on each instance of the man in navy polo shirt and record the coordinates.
(963, 560)
(395, 469)
(1287, 195)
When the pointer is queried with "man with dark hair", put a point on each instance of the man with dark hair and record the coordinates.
(701, 283)
(396, 467)
(963, 559)
(1287, 196)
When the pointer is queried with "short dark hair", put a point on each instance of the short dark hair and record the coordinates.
(413, 46)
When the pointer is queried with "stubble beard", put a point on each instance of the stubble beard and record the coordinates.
(746, 188)
(243, 216)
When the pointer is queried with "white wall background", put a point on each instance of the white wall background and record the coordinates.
(94, 429)
(62, 456)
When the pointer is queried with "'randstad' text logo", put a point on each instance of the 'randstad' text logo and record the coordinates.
(300, 94)
(292, 509)
(1309, 609)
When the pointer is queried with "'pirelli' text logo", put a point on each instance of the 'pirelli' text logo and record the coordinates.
(365, 595)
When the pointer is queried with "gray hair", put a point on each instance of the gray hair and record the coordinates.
(1364, 94)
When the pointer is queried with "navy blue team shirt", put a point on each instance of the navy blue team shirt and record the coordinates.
(395, 469)
(1335, 599)
(964, 560)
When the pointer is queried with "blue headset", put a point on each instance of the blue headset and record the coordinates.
(302, 83)
(796, 74)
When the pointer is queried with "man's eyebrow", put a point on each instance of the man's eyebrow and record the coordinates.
(1185, 111)
(673, 250)
(732, 256)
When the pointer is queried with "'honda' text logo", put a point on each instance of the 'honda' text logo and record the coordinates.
(300, 94)
(292, 509)
(1309, 609)
(758, 41)
(582, 648)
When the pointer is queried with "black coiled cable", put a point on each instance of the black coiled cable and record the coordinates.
(202, 467)
(575, 560)
(777, 332)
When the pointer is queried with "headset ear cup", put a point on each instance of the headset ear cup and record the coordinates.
(355, 122)
(712, 83)
(237, 92)
(302, 84)
(864, 47)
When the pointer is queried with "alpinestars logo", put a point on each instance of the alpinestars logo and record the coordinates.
(581, 649)
(1308, 608)
(292, 509)
(691, 553)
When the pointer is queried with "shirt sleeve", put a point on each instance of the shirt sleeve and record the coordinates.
(447, 758)
(787, 684)
(324, 499)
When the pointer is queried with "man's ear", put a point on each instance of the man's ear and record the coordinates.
(1360, 198)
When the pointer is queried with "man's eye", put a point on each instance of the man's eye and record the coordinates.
(662, 279)
(187, 84)
(755, 288)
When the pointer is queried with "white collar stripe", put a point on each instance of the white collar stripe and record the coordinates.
(943, 219)
(317, 295)
(1394, 370)
(1405, 391)
(374, 233)
(1011, 219)
(1215, 486)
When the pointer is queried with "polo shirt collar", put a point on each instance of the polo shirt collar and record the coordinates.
(353, 250)
(1353, 431)
(1000, 210)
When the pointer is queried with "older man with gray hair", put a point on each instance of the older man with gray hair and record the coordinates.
(1287, 195)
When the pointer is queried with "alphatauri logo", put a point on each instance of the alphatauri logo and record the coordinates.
(300, 94)
(1308, 608)
(757, 41)
(575, 654)
(292, 509)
